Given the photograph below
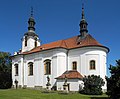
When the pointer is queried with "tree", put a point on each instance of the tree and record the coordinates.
(113, 82)
(5, 70)
(92, 85)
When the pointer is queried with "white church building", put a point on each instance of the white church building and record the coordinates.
(70, 59)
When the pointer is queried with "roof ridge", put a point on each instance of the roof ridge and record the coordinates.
(60, 43)
(63, 42)
(70, 75)
(94, 39)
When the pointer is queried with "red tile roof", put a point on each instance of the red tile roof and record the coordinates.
(69, 43)
(72, 74)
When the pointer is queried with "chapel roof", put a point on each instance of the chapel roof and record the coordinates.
(79, 41)
(71, 74)
(70, 43)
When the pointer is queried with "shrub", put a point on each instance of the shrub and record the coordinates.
(92, 85)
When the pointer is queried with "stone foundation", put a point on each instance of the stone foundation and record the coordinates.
(20, 86)
(38, 87)
(25, 86)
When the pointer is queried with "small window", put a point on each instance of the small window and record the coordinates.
(84, 26)
(25, 40)
(16, 69)
(47, 65)
(92, 64)
(74, 64)
(35, 42)
(30, 68)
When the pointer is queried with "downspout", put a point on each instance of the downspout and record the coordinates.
(67, 60)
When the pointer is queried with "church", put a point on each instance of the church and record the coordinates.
(36, 65)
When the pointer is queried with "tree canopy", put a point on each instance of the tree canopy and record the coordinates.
(5, 70)
(92, 85)
(113, 82)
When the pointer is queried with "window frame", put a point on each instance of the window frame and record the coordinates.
(74, 65)
(92, 64)
(25, 41)
(35, 43)
(47, 67)
(16, 70)
(30, 68)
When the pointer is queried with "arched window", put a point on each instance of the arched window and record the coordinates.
(92, 64)
(25, 40)
(47, 66)
(30, 68)
(16, 69)
(74, 65)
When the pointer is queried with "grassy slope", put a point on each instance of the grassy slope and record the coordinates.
(35, 94)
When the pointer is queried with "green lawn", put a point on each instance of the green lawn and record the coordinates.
(36, 94)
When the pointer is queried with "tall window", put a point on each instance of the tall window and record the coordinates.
(47, 66)
(74, 65)
(16, 69)
(35, 42)
(30, 68)
(92, 64)
(25, 40)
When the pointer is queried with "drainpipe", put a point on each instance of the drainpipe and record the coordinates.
(67, 60)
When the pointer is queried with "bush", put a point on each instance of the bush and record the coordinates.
(92, 85)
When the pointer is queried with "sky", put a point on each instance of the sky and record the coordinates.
(59, 19)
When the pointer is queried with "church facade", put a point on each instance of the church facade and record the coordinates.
(37, 65)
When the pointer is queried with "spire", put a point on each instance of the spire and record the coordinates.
(31, 21)
(83, 16)
(83, 24)
(31, 24)
(31, 11)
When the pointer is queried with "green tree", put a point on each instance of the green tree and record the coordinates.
(92, 85)
(113, 82)
(5, 70)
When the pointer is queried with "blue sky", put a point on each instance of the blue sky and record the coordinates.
(59, 19)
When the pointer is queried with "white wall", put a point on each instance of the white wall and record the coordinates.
(59, 65)
(83, 57)
(54, 70)
(38, 71)
(17, 60)
(73, 84)
(30, 43)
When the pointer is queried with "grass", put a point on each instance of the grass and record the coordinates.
(36, 94)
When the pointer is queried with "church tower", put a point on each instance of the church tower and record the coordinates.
(83, 25)
(30, 39)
